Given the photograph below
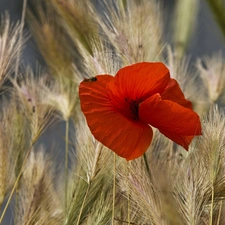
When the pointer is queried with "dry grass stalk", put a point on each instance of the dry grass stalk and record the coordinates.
(31, 97)
(7, 161)
(61, 96)
(9, 47)
(187, 191)
(188, 79)
(135, 38)
(90, 177)
(151, 198)
(37, 197)
(103, 60)
(52, 40)
(77, 22)
(170, 187)
(16, 140)
(27, 122)
(212, 71)
(202, 176)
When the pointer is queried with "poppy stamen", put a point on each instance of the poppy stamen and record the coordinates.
(134, 105)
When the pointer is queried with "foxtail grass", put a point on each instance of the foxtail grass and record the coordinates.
(78, 40)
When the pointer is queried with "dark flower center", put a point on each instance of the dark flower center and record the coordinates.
(133, 107)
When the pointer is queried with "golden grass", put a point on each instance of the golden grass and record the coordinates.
(167, 186)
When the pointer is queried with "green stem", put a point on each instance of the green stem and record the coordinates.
(218, 9)
(82, 206)
(114, 189)
(147, 166)
(128, 201)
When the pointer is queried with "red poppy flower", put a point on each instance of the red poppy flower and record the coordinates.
(120, 110)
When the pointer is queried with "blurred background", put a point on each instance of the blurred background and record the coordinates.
(206, 38)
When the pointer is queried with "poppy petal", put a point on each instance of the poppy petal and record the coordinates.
(173, 92)
(183, 141)
(139, 81)
(169, 116)
(129, 139)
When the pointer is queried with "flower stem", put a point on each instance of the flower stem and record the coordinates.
(114, 189)
(147, 166)
(128, 201)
